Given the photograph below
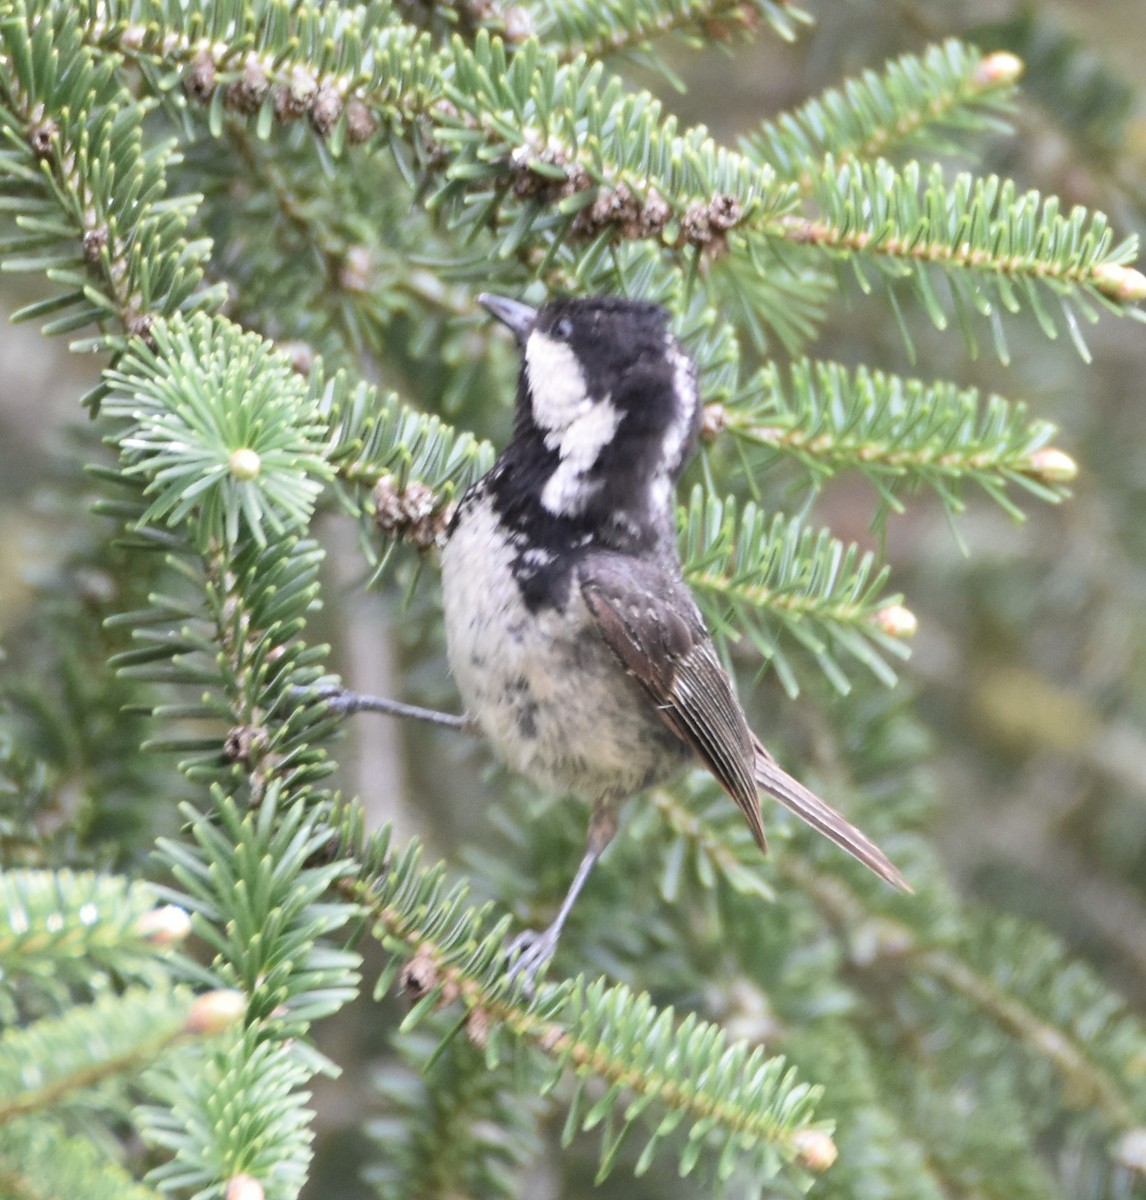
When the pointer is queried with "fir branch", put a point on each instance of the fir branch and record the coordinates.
(718, 837)
(338, 287)
(452, 1124)
(62, 115)
(1018, 977)
(777, 578)
(402, 469)
(1016, 244)
(242, 639)
(1077, 1070)
(555, 152)
(42, 1063)
(259, 900)
(909, 105)
(594, 29)
(1023, 979)
(898, 431)
(40, 1160)
(747, 1106)
(220, 430)
(242, 1113)
(62, 924)
(348, 71)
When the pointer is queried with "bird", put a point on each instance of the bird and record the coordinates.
(572, 635)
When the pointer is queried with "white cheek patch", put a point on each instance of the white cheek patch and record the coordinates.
(575, 424)
(555, 382)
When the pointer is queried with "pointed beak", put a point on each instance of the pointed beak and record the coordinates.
(517, 316)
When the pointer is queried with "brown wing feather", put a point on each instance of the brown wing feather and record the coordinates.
(650, 621)
(666, 649)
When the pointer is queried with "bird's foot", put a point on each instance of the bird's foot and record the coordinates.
(529, 954)
(344, 702)
(337, 699)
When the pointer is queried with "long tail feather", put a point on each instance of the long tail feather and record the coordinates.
(823, 818)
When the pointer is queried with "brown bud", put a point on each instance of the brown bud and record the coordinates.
(303, 85)
(713, 422)
(1055, 466)
(420, 975)
(655, 213)
(245, 464)
(140, 325)
(477, 1027)
(1121, 283)
(325, 109)
(897, 621)
(94, 588)
(213, 1012)
(411, 513)
(246, 93)
(244, 1187)
(42, 137)
(243, 741)
(998, 70)
(880, 940)
(357, 270)
(167, 925)
(815, 1149)
(300, 356)
(724, 212)
(93, 243)
(200, 79)
(361, 124)
(518, 25)
(294, 98)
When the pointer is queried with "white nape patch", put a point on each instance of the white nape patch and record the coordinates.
(684, 389)
(575, 424)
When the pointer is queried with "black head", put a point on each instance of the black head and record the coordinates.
(608, 398)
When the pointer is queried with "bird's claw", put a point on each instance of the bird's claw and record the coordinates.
(528, 955)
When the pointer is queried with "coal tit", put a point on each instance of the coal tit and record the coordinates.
(575, 642)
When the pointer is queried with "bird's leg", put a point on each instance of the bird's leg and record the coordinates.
(345, 702)
(531, 950)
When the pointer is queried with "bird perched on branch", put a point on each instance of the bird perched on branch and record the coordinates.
(575, 641)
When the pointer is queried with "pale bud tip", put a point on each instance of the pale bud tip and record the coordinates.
(245, 464)
(897, 621)
(213, 1012)
(1121, 283)
(244, 1187)
(713, 422)
(164, 926)
(815, 1149)
(1053, 466)
(999, 69)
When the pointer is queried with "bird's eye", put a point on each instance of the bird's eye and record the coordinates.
(564, 328)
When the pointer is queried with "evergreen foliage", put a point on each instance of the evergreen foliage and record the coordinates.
(218, 194)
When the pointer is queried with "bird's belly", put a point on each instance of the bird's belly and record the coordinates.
(545, 689)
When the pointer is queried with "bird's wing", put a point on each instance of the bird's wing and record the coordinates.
(650, 622)
(648, 618)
